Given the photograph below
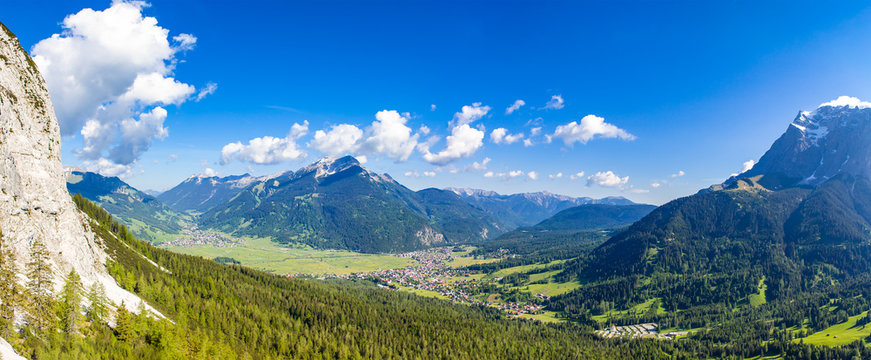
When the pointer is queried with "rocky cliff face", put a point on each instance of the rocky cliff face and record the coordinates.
(818, 145)
(34, 202)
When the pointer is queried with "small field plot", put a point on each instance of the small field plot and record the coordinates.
(840, 334)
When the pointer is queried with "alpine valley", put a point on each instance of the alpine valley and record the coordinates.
(336, 261)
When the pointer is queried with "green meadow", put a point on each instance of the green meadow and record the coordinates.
(263, 254)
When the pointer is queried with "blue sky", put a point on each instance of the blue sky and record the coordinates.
(692, 88)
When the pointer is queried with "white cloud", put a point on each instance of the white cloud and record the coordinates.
(527, 142)
(555, 103)
(109, 72)
(470, 113)
(478, 166)
(209, 172)
(432, 107)
(411, 174)
(489, 174)
(342, 139)
(501, 136)
(429, 173)
(746, 167)
(678, 174)
(534, 131)
(558, 175)
(510, 175)
(532, 175)
(578, 175)
(655, 185)
(206, 91)
(515, 106)
(423, 130)
(390, 137)
(266, 149)
(590, 127)
(607, 179)
(515, 173)
(106, 167)
(463, 142)
(848, 101)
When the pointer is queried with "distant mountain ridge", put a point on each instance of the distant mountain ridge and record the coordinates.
(526, 209)
(144, 215)
(200, 193)
(336, 203)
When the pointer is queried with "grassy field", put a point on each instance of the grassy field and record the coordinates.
(637, 309)
(523, 268)
(462, 258)
(758, 298)
(840, 334)
(547, 316)
(266, 255)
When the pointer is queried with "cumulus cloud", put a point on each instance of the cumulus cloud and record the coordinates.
(532, 175)
(463, 142)
(209, 172)
(527, 142)
(555, 103)
(578, 175)
(432, 107)
(478, 166)
(514, 107)
(746, 167)
(590, 127)
(341, 139)
(655, 185)
(267, 149)
(110, 73)
(107, 168)
(510, 174)
(558, 175)
(390, 137)
(678, 174)
(501, 136)
(607, 179)
(387, 136)
(429, 173)
(848, 101)
(470, 113)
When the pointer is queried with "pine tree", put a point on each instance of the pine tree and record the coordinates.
(9, 297)
(98, 310)
(39, 287)
(70, 305)
(124, 323)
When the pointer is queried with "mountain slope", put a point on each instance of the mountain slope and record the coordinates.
(527, 209)
(145, 216)
(200, 193)
(805, 208)
(594, 216)
(336, 203)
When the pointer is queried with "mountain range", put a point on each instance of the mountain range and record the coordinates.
(527, 209)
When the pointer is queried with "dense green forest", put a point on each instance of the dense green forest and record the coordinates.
(230, 312)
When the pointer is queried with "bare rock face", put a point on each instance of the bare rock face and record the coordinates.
(34, 202)
(818, 145)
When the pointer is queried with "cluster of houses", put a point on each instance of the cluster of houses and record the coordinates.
(431, 274)
(514, 309)
(194, 237)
